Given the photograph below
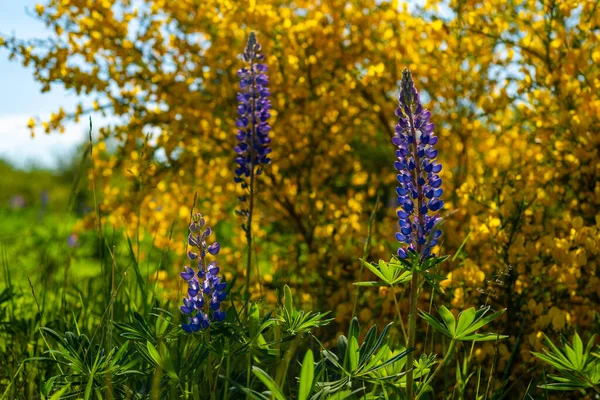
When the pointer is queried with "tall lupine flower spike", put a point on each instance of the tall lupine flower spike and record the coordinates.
(253, 134)
(206, 290)
(419, 187)
(253, 114)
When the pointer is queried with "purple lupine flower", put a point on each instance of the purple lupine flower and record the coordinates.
(72, 240)
(206, 291)
(419, 187)
(253, 114)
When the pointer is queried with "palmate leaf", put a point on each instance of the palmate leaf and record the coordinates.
(469, 321)
(88, 365)
(297, 321)
(578, 367)
(363, 361)
(392, 273)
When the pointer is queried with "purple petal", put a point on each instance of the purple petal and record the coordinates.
(214, 248)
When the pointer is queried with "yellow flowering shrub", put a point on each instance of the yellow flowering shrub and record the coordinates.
(514, 91)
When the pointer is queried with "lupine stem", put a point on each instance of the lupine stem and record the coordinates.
(249, 226)
(251, 205)
(253, 147)
(227, 373)
(248, 371)
(399, 315)
(414, 284)
(282, 371)
(366, 249)
(208, 367)
(412, 328)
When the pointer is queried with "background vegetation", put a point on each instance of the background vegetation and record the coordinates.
(513, 88)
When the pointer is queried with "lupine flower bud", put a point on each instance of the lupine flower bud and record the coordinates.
(419, 189)
(253, 113)
(206, 286)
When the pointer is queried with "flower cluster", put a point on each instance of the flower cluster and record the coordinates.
(418, 177)
(253, 113)
(204, 286)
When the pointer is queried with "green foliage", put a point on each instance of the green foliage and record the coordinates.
(578, 367)
(360, 364)
(424, 268)
(297, 321)
(469, 321)
(307, 376)
(88, 369)
(390, 273)
(269, 383)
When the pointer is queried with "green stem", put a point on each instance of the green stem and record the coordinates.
(251, 206)
(227, 373)
(412, 329)
(414, 285)
(399, 315)
(366, 249)
(248, 372)
(596, 389)
(208, 368)
(282, 372)
(12, 380)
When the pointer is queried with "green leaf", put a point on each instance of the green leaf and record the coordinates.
(269, 383)
(167, 363)
(342, 345)
(550, 360)
(558, 355)
(465, 318)
(480, 321)
(154, 353)
(354, 328)
(136, 268)
(374, 270)
(448, 319)
(578, 350)
(89, 387)
(588, 348)
(353, 353)
(288, 302)
(386, 270)
(368, 345)
(435, 324)
(58, 394)
(482, 337)
(562, 386)
(571, 356)
(306, 376)
(381, 354)
(340, 395)
(391, 360)
(368, 357)
(370, 284)
(405, 276)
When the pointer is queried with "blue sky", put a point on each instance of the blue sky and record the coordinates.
(20, 99)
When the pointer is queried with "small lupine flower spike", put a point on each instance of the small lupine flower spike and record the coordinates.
(253, 115)
(205, 291)
(419, 187)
